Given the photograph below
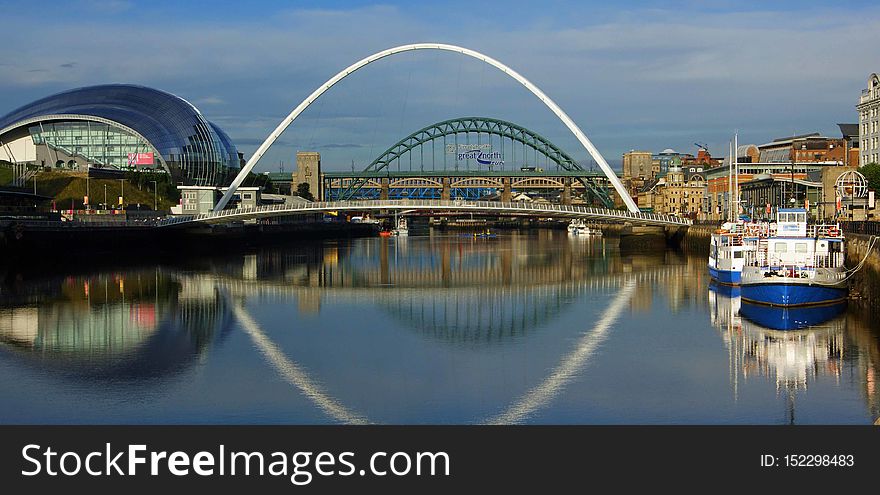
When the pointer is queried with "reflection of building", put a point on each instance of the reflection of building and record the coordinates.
(867, 360)
(869, 122)
(132, 326)
(119, 126)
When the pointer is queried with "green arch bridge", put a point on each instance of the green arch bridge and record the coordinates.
(470, 158)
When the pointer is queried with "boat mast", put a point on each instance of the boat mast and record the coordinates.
(729, 181)
(736, 173)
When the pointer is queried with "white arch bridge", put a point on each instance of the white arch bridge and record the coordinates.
(550, 104)
(430, 207)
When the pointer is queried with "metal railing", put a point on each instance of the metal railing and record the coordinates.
(867, 228)
(439, 206)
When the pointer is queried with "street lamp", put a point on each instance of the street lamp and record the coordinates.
(105, 196)
(122, 192)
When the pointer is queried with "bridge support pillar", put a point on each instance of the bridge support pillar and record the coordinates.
(506, 190)
(642, 237)
(386, 185)
(566, 191)
(446, 192)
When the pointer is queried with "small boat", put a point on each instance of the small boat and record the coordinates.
(385, 233)
(578, 227)
(727, 248)
(796, 264)
(402, 228)
(487, 234)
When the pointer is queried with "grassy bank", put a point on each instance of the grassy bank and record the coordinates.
(5, 175)
(70, 189)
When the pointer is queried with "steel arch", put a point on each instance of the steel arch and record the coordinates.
(572, 126)
(486, 125)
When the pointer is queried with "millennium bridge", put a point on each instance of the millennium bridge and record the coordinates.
(431, 208)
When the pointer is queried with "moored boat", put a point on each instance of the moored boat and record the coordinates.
(402, 228)
(578, 227)
(796, 264)
(727, 249)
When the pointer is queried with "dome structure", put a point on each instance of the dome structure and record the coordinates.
(120, 126)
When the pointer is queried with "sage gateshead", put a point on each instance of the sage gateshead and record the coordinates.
(121, 127)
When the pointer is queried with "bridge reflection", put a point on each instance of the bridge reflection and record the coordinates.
(457, 289)
(143, 326)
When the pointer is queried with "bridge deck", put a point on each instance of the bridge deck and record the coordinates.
(439, 207)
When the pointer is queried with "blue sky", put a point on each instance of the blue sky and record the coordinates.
(633, 75)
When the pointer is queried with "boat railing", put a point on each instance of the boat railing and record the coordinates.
(761, 230)
(824, 230)
(761, 259)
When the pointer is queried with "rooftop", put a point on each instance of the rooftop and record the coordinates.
(849, 130)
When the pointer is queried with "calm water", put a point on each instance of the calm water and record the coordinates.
(535, 328)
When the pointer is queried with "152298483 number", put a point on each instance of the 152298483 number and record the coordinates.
(819, 460)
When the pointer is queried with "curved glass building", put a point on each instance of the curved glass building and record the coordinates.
(119, 126)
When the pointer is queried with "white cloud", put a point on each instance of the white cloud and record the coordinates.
(633, 79)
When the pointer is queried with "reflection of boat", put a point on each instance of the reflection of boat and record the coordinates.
(791, 345)
(796, 264)
(724, 303)
(578, 227)
(790, 318)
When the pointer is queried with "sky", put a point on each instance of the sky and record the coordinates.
(633, 75)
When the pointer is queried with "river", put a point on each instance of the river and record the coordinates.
(533, 327)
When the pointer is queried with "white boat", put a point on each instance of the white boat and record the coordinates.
(578, 227)
(796, 264)
(727, 248)
(402, 228)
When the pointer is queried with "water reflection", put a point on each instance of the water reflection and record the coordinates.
(448, 288)
(791, 346)
(522, 328)
(119, 326)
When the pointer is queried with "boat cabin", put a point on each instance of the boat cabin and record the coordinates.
(791, 222)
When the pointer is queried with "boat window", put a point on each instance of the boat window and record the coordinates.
(800, 247)
(780, 247)
(737, 254)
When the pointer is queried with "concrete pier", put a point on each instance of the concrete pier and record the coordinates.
(642, 237)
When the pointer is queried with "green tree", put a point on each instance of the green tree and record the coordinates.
(302, 190)
(871, 171)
